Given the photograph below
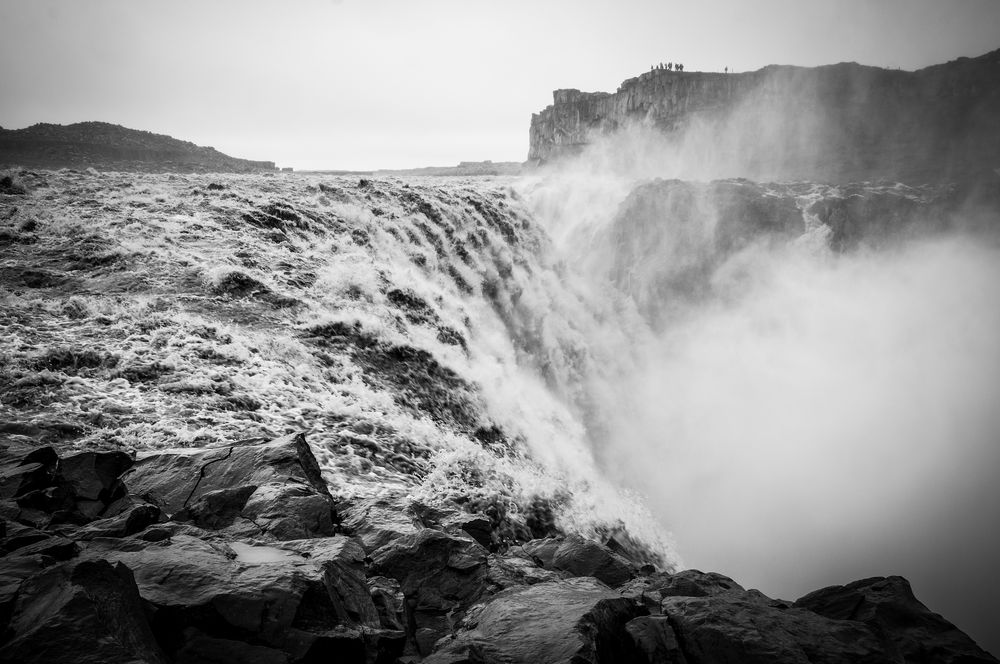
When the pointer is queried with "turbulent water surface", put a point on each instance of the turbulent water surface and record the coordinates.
(799, 381)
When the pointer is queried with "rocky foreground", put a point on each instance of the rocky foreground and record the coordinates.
(262, 419)
(239, 553)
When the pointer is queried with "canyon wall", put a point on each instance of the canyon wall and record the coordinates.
(835, 123)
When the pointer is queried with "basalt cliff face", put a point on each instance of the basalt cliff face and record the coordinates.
(107, 146)
(836, 123)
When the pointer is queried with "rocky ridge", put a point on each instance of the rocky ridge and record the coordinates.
(111, 147)
(836, 123)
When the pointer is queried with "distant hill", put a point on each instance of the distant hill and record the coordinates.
(112, 147)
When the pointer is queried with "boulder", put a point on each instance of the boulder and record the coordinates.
(134, 518)
(887, 605)
(83, 611)
(272, 489)
(581, 557)
(389, 601)
(572, 620)
(510, 569)
(94, 475)
(650, 590)
(378, 520)
(284, 599)
(32, 471)
(342, 560)
(655, 639)
(744, 628)
(440, 575)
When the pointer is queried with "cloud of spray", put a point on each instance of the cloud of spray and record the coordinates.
(817, 417)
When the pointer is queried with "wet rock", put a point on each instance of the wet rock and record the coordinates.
(14, 570)
(440, 575)
(279, 480)
(285, 599)
(377, 521)
(574, 620)
(290, 511)
(342, 560)
(650, 590)
(509, 570)
(17, 535)
(888, 607)
(56, 548)
(94, 475)
(133, 519)
(83, 611)
(581, 557)
(655, 639)
(218, 509)
(389, 601)
(35, 470)
(745, 628)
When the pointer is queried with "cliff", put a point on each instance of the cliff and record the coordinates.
(111, 147)
(834, 123)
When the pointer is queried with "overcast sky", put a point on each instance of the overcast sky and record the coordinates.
(404, 83)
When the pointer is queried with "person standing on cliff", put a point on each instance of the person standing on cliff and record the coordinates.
(727, 70)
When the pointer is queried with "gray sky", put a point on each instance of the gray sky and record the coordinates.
(404, 83)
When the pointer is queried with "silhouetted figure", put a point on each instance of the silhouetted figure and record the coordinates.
(727, 70)
(680, 67)
(670, 66)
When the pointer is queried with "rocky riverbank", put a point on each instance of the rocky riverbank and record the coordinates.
(240, 553)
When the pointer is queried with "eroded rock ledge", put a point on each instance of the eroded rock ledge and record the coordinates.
(240, 553)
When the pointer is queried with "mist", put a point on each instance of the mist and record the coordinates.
(809, 417)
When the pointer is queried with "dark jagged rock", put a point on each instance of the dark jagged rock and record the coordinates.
(86, 611)
(290, 599)
(581, 557)
(36, 470)
(746, 628)
(655, 639)
(258, 488)
(576, 620)
(94, 475)
(888, 607)
(440, 576)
